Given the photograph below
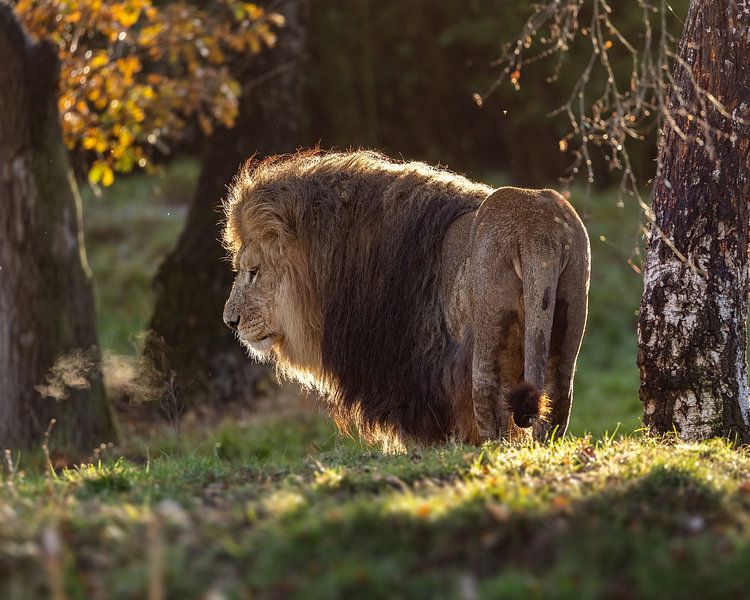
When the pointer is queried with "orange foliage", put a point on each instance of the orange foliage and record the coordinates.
(132, 73)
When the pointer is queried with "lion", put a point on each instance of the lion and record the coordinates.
(423, 306)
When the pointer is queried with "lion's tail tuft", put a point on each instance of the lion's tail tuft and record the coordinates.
(528, 403)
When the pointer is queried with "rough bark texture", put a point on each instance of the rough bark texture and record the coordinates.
(49, 364)
(692, 332)
(188, 338)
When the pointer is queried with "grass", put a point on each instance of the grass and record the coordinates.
(288, 508)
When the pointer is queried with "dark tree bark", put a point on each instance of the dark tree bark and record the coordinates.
(188, 342)
(692, 330)
(49, 364)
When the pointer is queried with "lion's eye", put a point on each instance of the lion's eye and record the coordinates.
(253, 276)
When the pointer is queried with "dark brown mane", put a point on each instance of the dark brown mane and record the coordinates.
(373, 230)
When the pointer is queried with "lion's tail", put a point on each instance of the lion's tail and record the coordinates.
(528, 403)
(540, 274)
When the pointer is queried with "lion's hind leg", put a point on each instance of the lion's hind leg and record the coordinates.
(569, 321)
(497, 363)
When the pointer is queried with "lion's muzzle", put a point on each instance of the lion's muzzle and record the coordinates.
(231, 320)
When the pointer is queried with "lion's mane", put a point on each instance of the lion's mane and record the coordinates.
(360, 237)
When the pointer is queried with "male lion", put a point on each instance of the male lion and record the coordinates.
(422, 305)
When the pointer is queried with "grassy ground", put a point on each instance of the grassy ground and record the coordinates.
(287, 508)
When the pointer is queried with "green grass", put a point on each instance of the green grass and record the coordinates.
(287, 508)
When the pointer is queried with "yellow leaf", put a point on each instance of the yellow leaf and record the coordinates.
(269, 38)
(136, 112)
(95, 172)
(107, 176)
(124, 137)
(277, 19)
(254, 44)
(126, 14)
(607, 44)
(128, 67)
(253, 11)
(66, 102)
(148, 35)
(99, 60)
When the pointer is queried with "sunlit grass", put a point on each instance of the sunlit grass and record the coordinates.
(101, 477)
(579, 518)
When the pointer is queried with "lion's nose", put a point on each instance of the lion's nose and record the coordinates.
(232, 321)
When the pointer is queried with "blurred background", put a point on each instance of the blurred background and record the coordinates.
(408, 78)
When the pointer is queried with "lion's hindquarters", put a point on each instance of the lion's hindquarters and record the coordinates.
(530, 284)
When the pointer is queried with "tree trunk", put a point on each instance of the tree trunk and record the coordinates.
(188, 342)
(49, 363)
(692, 329)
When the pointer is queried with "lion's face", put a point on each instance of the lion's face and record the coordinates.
(252, 308)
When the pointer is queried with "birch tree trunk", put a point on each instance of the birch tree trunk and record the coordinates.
(188, 342)
(49, 363)
(692, 329)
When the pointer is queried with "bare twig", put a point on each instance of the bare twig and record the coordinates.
(45, 448)
(11, 468)
(624, 110)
